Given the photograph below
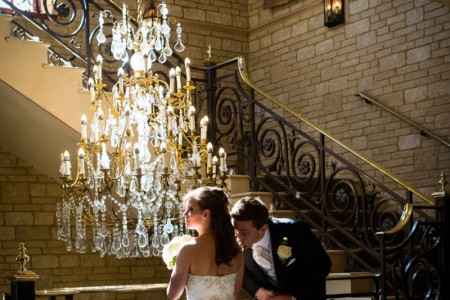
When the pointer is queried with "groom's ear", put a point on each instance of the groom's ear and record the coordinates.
(264, 228)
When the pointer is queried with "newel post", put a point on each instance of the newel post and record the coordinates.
(443, 217)
(23, 282)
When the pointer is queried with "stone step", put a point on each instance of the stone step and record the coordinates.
(238, 184)
(361, 284)
(266, 197)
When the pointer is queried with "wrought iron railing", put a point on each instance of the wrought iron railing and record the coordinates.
(71, 28)
(329, 184)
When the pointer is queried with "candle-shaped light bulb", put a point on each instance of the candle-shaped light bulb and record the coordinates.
(99, 64)
(124, 11)
(104, 159)
(95, 71)
(145, 63)
(67, 165)
(214, 166)
(81, 156)
(203, 127)
(162, 149)
(180, 137)
(169, 118)
(172, 80)
(91, 85)
(222, 159)
(100, 120)
(120, 73)
(187, 65)
(136, 155)
(83, 127)
(178, 74)
(191, 113)
(209, 149)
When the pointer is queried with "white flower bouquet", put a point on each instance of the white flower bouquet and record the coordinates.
(171, 250)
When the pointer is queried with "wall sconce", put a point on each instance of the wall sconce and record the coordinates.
(333, 12)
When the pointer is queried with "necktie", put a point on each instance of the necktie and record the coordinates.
(259, 259)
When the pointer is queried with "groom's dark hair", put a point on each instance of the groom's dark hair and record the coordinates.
(251, 209)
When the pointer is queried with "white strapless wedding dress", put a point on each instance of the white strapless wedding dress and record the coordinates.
(209, 287)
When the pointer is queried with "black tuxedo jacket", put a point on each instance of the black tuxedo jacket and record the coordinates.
(304, 277)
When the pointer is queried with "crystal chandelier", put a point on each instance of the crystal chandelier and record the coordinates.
(144, 149)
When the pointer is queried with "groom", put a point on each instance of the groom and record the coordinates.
(283, 258)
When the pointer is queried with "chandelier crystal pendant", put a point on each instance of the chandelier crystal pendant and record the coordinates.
(144, 149)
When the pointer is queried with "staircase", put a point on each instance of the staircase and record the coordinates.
(43, 105)
(50, 100)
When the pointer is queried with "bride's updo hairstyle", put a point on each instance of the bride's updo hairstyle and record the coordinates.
(214, 199)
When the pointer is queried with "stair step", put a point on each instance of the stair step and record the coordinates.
(5, 28)
(238, 184)
(352, 282)
(266, 197)
(283, 213)
(339, 260)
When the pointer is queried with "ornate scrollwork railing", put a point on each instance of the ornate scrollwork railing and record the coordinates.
(330, 185)
(414, 264)
(71, 28)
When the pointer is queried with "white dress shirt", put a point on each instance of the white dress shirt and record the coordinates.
(263, 248)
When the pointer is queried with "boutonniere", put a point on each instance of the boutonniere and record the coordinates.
(284, 252)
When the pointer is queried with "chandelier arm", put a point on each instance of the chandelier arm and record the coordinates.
(121, 158)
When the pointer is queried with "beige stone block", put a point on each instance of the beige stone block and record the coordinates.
(15, 193)
(392, 61)
(92, 260)
(142, 272)
(359, 143)
(7, 233)
(324, 47)
(37, 190)
(305, 53)
(357, 28)
(44, 218)
(338, 84)
(44, 261)
(439, 89)
(27, 233)
(359, 6)
(69, 261)
(409, 142)
(19, 218)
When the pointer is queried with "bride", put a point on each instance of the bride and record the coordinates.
(211, 266)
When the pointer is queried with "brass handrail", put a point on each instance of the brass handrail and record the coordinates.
(404, 219)
(244, 76)
(423, 131)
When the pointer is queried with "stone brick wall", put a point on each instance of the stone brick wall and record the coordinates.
(395, 51)
(27, 215)
(221, 24)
